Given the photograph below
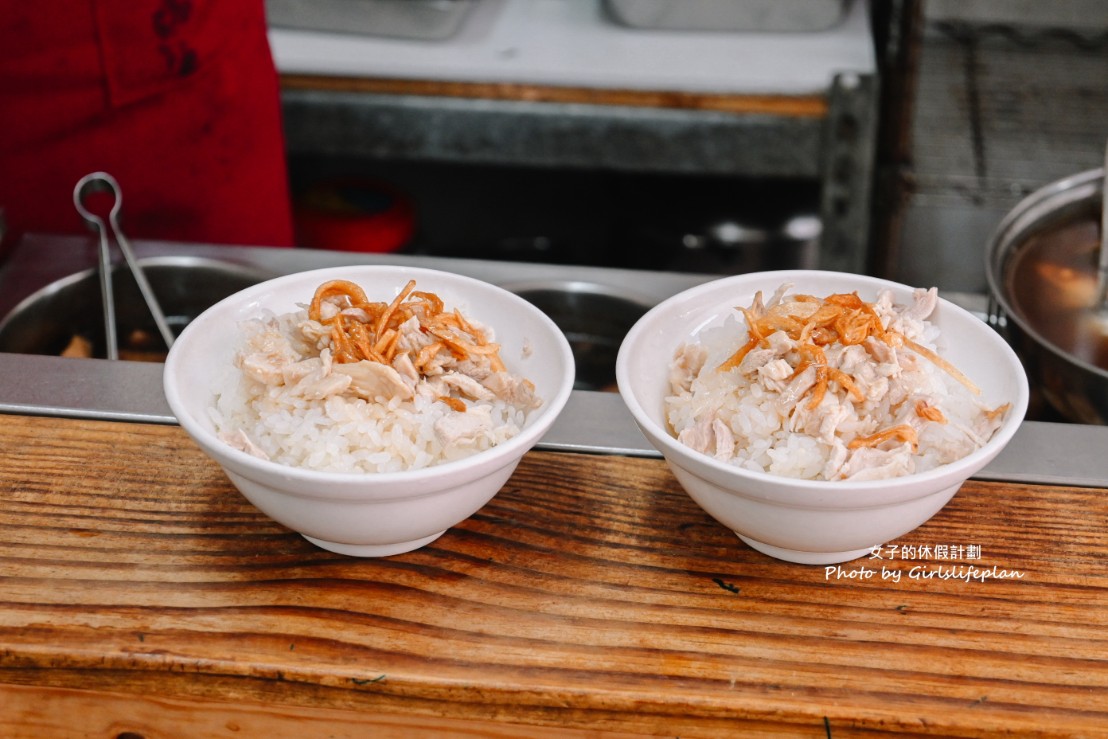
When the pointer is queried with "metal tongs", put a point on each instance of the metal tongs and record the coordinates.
(101, 182)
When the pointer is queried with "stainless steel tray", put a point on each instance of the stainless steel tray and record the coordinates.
(769, 16)
(410, 19)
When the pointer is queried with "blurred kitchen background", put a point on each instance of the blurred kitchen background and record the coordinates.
(693, 135)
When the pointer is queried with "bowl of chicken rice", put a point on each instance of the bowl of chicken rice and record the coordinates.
(820, 415)
(369, 408)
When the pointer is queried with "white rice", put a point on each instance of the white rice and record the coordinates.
(342, 432)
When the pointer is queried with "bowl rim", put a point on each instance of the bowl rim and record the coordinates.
(673, 450)
(470, 467)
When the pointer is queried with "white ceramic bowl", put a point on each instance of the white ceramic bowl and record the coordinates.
(370, 514)
(810, 521)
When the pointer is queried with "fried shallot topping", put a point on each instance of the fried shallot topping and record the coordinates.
(902, 432)
(365, 330)
(813, 323)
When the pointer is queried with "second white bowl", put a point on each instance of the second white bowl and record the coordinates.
(797, 520)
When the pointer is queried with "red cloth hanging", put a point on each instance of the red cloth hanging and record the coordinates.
(177, 99)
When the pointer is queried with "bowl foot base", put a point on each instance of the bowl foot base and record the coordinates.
(805, 558)
(373, 550)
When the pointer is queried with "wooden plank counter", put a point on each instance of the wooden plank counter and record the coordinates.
(142, 596)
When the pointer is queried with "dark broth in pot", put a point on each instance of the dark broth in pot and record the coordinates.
(1051, 283)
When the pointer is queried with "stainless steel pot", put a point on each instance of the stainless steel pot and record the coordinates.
(1071, 385)
(47, 321)
(594, 318)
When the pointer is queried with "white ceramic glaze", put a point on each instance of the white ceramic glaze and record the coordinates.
(370, 514)
(810, 521)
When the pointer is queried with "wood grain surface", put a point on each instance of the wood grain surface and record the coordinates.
(798, 106)
(141, 593)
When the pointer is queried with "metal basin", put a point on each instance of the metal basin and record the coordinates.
(68, 313)
(594, 318)
(1041, 272)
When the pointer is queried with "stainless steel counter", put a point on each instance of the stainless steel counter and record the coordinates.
(592, 422)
